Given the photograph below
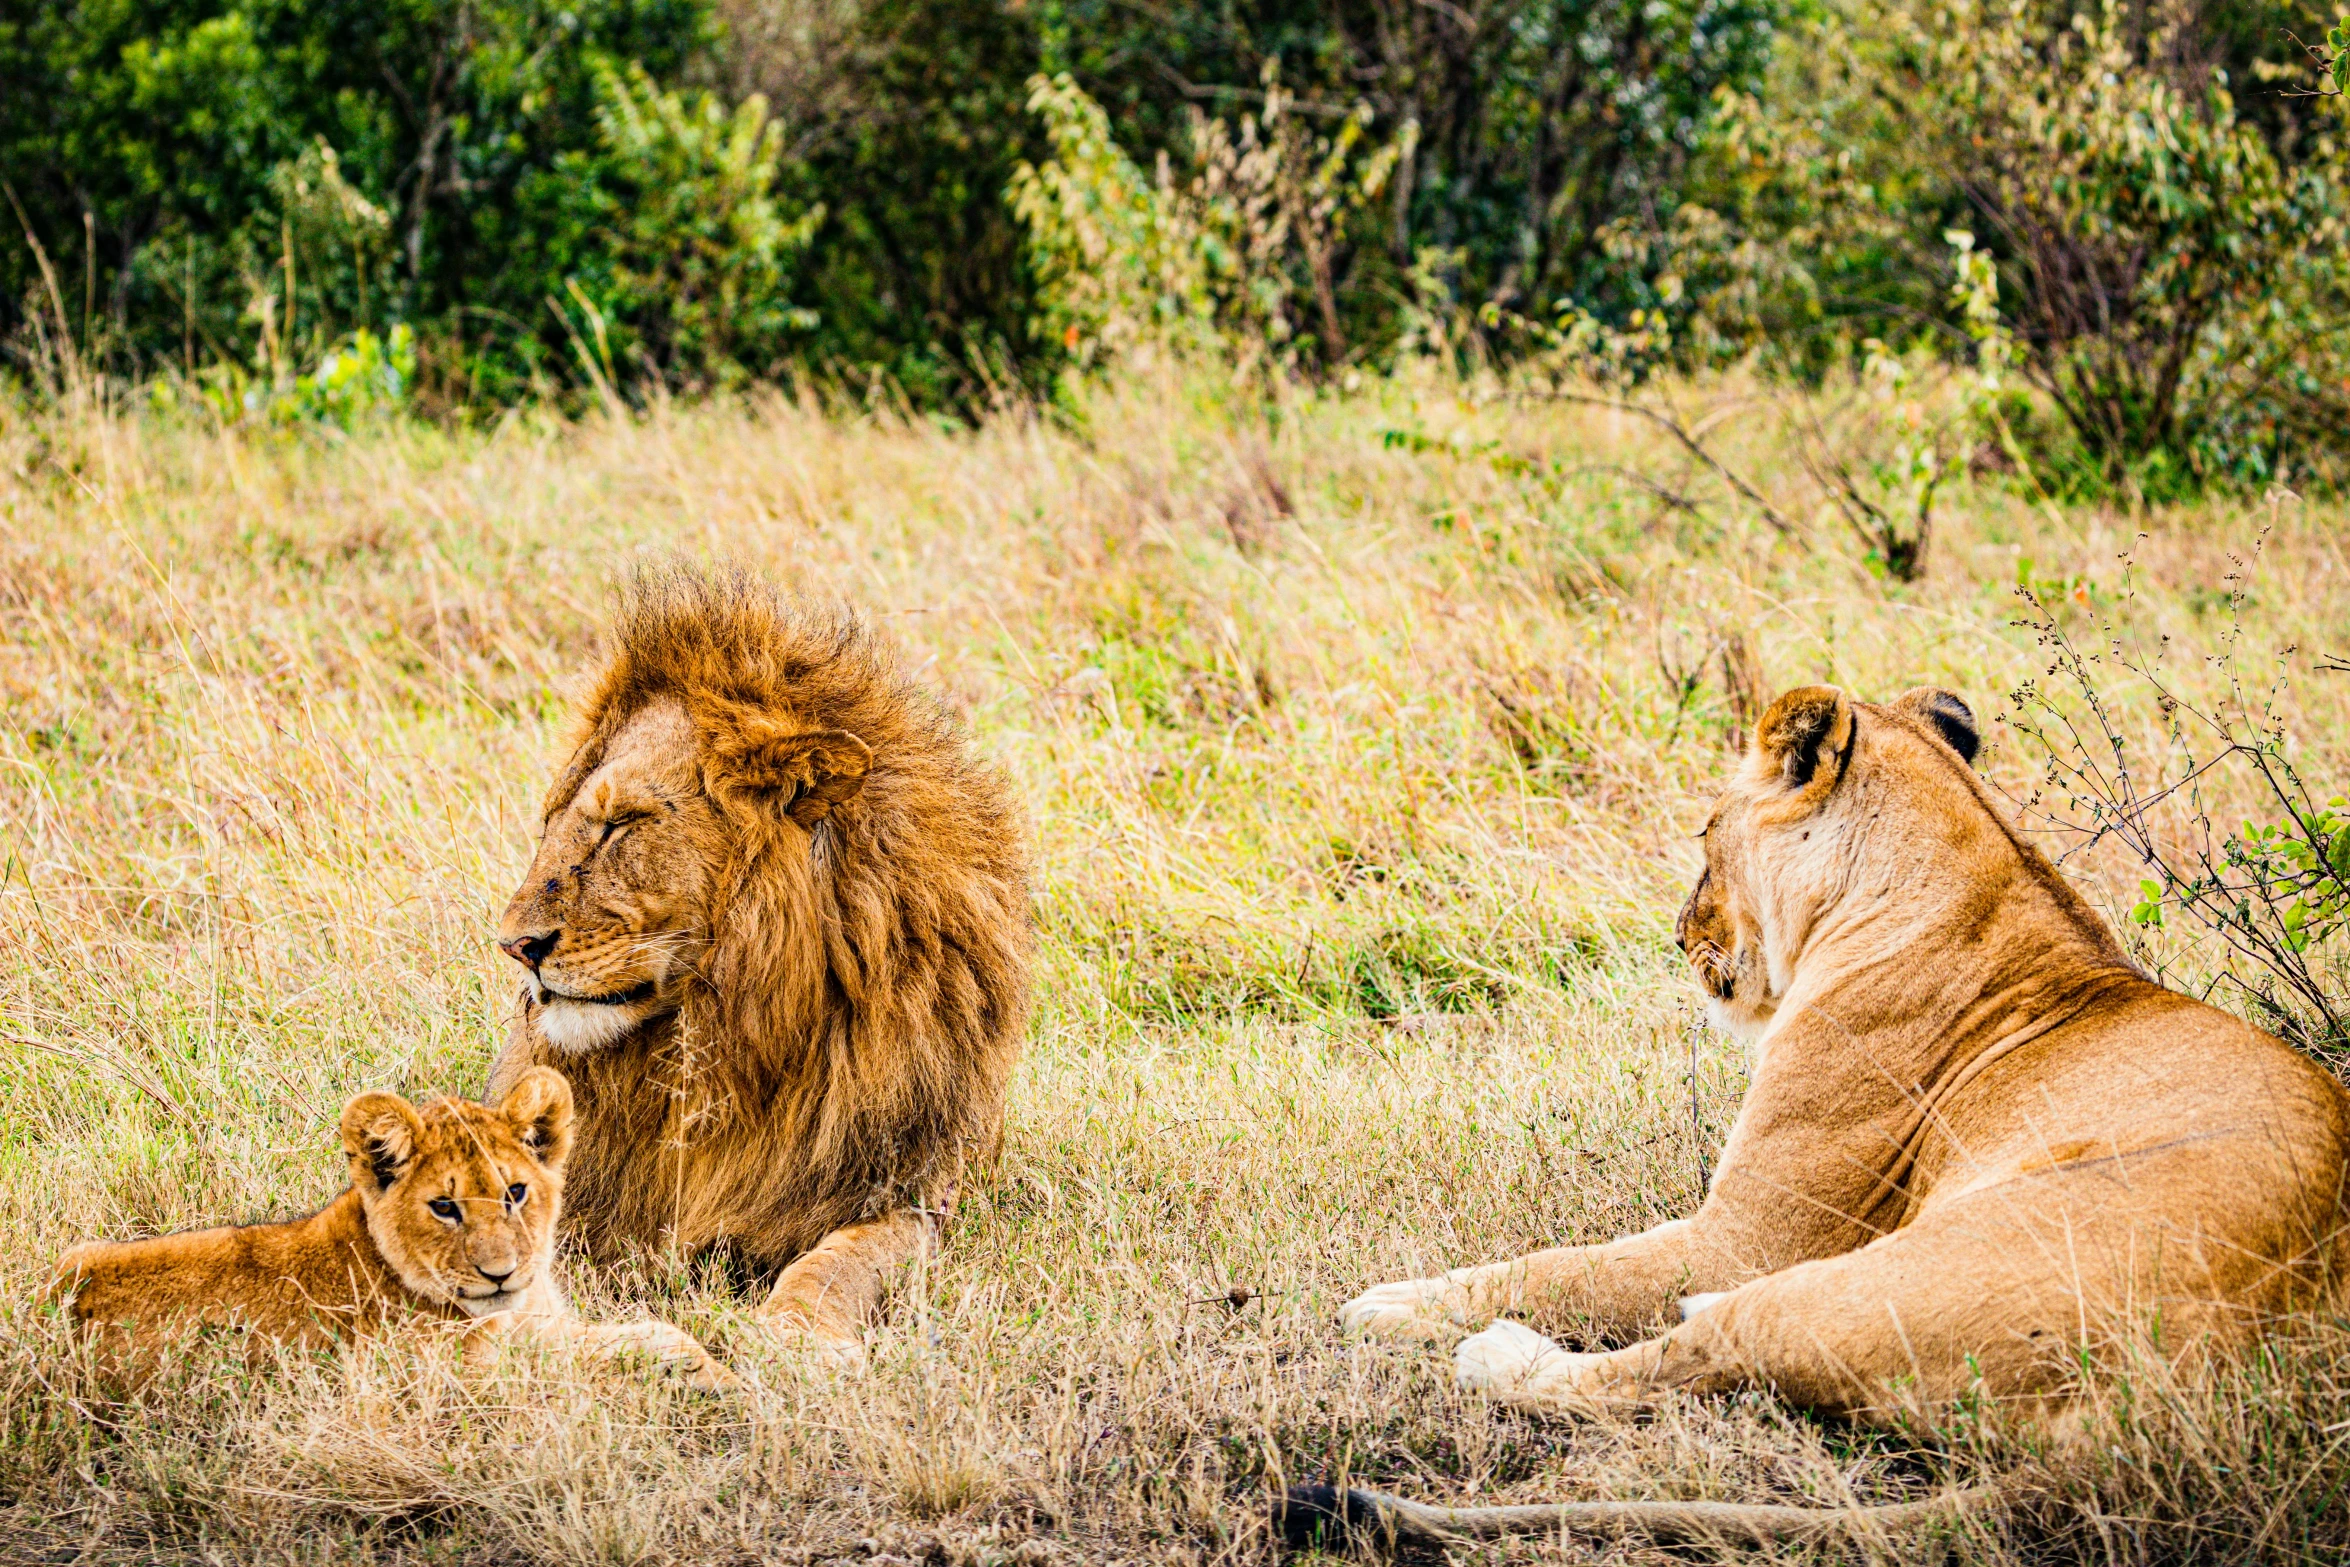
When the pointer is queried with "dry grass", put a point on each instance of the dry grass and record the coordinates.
(1362, 773)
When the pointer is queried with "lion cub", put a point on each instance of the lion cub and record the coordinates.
(450, 1217)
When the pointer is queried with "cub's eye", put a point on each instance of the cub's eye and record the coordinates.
(515, 1194)
(443, 1208)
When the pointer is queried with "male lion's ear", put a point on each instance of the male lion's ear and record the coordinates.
(380, 1133)
(1806, 736)
(809, 771)
(1943, 713)
(538, 1107)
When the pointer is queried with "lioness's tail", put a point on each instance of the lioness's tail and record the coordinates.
(1305, 1514)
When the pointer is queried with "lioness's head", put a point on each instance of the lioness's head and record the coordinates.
(460, 1197)
(693, 776)
(1834, 798)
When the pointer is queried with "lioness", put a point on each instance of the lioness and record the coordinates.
(776, 934)
(450, 1217)
(1976, 1137)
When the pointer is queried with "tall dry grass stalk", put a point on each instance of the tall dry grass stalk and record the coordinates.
(1362, 772)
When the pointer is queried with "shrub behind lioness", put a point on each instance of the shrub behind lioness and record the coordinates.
(449, 1218)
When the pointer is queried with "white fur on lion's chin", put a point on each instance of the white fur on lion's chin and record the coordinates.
(578, 1027)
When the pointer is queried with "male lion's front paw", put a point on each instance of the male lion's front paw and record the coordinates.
(672, 1350)
(1421, 1309)
(813, 1348)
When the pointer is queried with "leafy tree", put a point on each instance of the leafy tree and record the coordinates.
(147, 142)
(1538, 124)
(2168, 266)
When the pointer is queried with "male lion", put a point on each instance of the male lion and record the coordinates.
(776, 933)
(449, 1218)
(1976, 1135)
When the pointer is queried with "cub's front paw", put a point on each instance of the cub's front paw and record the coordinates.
(1420, 1309)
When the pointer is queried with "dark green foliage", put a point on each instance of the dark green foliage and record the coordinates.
(907, 125)
(476, 175)
(2166, 222)
(1540, 122)
(165, 122)
(693, 192)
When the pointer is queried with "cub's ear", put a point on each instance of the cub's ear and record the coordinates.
(807, 771)
(1943, 713)
(380, 1133)
(538, 1107)
(1806, 737)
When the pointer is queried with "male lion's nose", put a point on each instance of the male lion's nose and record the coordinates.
(530, 951)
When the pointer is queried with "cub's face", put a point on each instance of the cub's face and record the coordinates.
(461, 1198)
(614, 914)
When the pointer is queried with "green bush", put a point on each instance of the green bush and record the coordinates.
(2171, 270)
(683, 243)
(2180, 296)
(173, 161)
(1238, 256)
(708, 190)
(167, 157)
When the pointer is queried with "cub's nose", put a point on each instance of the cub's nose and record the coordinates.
(500, 1276)
(530, 951)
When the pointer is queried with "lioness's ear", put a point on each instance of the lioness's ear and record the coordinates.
(1806, 737)
(809, 771)
(380, 1133)
(538, 1107)
(1943, 713)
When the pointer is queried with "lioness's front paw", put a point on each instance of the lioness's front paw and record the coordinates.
(1516, 1365)
(1413, 1309)
(1506, 1358)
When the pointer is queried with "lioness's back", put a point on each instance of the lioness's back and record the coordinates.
(2160, 1109)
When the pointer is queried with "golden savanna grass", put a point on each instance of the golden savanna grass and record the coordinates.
(1362, 770)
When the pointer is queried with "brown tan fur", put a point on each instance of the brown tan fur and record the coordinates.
(449, 1220)
(809, 899)
(1977, 1138)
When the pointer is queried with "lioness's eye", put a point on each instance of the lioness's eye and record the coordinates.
(515, 1194)
(443, 1208)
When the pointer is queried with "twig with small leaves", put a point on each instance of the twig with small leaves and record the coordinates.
(2276, 893)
